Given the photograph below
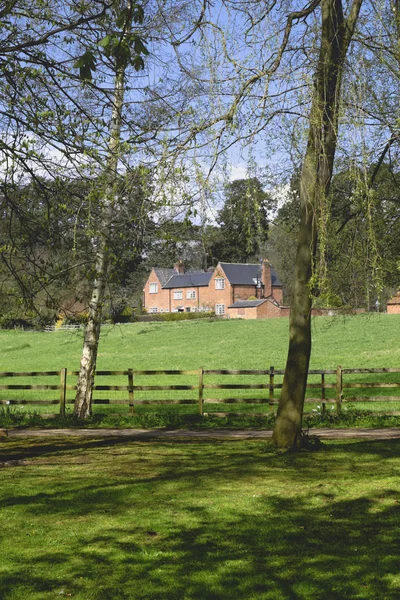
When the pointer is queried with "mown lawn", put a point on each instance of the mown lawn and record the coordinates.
(111, 519)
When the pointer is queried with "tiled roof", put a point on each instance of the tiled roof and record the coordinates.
(188, 279)
(243, 274)
(237, 274)
(247, 303)
(164, 275)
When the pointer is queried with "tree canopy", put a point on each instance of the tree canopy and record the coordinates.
(93, 94)
(243, 222)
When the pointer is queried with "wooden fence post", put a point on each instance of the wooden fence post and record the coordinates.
(63, 391)
(323, 398)
(271, 388)
(201, 387)
(339, 389)
(131, 392)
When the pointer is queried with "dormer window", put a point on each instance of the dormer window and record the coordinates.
(219, 283)
(153, 288)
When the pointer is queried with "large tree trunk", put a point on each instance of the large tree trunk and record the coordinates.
(83, 398)
(336, 34)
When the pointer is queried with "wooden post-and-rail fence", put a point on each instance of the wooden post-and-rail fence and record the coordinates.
(201, 389)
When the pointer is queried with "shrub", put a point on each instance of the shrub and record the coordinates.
(78, 319)
(127, 315)
(27, 320)
(8, 322)
(184, 316)
(178, 316)
(327, 301)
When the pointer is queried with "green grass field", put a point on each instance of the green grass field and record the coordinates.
(363, 341)
(367, 340)
(183, 520)
(111, 519)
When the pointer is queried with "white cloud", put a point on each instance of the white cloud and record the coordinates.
(281, 194)
(238, 171)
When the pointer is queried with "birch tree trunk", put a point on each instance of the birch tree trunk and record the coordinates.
(83, 398)
(336, 34)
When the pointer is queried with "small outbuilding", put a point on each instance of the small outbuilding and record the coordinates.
(393, 305)
(257, 309)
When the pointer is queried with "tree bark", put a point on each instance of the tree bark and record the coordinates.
(83, 398)
(336, 34)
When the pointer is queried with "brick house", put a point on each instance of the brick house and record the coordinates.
(231, 290)
(393, 305)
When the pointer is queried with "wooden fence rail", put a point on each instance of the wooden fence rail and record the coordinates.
(202, 386)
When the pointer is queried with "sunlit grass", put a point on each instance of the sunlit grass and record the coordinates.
(112, 519)
(362, 341)
(353, 342)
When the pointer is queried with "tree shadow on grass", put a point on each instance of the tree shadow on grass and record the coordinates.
(15, 449)
(176, 539)
(28, 448)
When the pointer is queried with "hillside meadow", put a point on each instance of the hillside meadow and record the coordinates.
(362, 341)
(367, 340)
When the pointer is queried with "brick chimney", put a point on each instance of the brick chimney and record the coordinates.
(179, 267)
(266, 277)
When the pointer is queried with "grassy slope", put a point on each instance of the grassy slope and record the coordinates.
(353, 342)
(94, 520)
(359, 341)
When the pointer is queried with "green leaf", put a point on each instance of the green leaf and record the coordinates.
(139, 47)
(122, 17)
(138, 13)
(79, 63)
(85, 73)
(138, 63)
(105, 42)
(86, 64)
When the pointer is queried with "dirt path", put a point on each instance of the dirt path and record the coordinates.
(242, 434)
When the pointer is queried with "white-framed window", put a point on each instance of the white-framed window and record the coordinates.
(220, 309)
(153, 309)
(191, 295)
(219, 283)
(178, 295)
(166, 310)
(153, 288)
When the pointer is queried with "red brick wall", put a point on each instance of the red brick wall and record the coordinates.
(244, 292)
(164, 299)
(185, 302)
(159, 300)
(277, 294)
(242, 313)
(206, 297)
(266, 310)
(210, 296)
(393, 309)
(266, 277)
